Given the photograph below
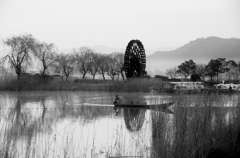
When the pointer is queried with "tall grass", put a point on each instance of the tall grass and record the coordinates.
(198, 131)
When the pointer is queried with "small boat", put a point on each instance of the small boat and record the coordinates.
(145, 106)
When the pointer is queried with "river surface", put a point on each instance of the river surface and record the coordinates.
(85, 124)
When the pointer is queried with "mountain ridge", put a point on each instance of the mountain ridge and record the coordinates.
(209, 47)
(201, 50)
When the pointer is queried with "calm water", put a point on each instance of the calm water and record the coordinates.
(85, 124)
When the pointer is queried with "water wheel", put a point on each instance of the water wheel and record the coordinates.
(135, 59)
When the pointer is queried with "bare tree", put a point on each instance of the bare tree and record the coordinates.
(19, 55)
(231, 68)
(102, 65)
(94, 64)
(112, 69)
(172, 72)
(201, 70)
(120, 63)
(66, 64)
(57, 69)
(235, 71)
(84, 58)
(45, 53)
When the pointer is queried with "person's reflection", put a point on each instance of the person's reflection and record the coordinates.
(117, 110)
(134, 119)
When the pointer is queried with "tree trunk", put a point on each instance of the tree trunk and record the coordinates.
(83, 75)
(18, 77)
(122, 75)
(44, 76)
(67, 77)
(103, 76)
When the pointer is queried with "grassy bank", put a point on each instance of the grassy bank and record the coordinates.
(131, 85)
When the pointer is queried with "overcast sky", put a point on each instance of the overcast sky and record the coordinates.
(113, 23)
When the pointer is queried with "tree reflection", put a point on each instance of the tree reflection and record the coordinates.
(22, 123)
(134, 119)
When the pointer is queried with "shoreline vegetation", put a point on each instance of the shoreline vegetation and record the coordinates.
(76, 84)
(58, 84)
(53, 66)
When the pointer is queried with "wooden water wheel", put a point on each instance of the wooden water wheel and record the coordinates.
(135, 59)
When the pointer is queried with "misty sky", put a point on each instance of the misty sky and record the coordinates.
(113, 23)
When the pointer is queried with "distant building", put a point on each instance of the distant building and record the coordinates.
(163, 78)
(188, 85)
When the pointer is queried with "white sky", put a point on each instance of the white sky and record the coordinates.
(113, 23)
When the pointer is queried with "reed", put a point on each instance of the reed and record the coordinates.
(200, 130)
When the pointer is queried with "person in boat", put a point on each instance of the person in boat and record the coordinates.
(230, 88)
(117, 99)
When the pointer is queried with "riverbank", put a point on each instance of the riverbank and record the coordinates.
(211, 90)
(131, 85)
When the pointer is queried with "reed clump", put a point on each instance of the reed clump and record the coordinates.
(199, 129)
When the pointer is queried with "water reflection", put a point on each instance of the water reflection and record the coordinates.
(59, 124)
(22, 122)
(43, 124)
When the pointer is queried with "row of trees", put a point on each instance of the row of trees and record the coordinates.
(212, 69)
(23, 48)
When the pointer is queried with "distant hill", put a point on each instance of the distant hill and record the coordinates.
(107, 50)
(202, 50)
(98, 48)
